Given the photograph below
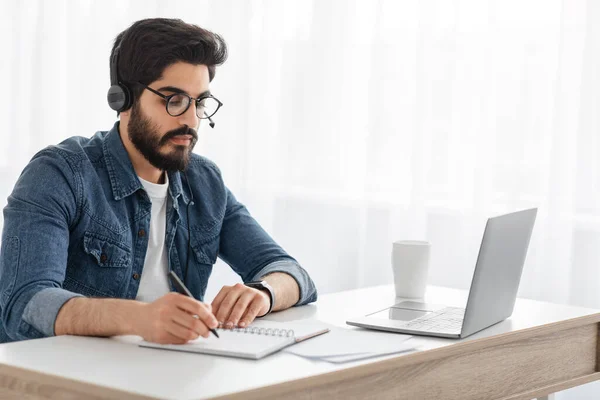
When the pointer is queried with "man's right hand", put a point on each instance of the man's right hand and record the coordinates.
(174, 319)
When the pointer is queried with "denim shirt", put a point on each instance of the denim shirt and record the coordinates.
(76, 224)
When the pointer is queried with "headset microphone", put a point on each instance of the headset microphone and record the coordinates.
(210, 121)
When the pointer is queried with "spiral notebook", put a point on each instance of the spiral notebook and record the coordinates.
(256, 341)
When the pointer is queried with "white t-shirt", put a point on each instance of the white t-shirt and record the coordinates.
(154, 282)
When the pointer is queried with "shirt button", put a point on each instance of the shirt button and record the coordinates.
(141, 233)
(136, 276)
(103, 258)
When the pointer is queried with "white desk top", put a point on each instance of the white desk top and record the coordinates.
(119, 364)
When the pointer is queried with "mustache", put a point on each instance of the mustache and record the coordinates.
(183, 131)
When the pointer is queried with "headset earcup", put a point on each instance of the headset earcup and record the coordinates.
(119, 97)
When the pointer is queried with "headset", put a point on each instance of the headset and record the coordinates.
(119, 95)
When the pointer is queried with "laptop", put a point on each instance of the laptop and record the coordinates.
(493, 288)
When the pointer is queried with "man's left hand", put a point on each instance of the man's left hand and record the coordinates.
(239, 305)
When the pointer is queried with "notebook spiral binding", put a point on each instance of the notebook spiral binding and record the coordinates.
(261, 331)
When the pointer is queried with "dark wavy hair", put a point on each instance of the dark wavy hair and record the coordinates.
(149, 46)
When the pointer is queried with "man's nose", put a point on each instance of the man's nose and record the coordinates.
(189, 117)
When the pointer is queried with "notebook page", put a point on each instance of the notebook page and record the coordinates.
(258, 340)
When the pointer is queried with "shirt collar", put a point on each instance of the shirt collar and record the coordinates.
(123, 179)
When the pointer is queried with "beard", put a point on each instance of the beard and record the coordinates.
(148, 141)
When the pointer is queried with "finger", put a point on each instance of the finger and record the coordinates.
(195, 307)
(219, 298)
(227, 305)
(190, 305)
(252, 311)
(188, 321)
(180, 332)
(240, 306)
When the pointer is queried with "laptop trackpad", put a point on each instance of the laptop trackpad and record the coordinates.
(398, 314)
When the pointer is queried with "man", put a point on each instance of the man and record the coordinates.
(94, 225)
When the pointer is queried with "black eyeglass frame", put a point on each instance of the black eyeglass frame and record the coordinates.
(167, 98)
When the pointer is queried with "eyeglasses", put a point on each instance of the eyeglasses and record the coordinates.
(178, 103)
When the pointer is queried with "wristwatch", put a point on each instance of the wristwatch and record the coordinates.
(263, 285)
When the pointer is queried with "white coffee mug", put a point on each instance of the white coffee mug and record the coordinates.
(410, 265)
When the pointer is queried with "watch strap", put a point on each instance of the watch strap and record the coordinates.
(263, 285)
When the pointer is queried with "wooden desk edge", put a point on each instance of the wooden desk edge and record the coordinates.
(358, 372)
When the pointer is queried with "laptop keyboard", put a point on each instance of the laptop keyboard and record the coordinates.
(447, 320)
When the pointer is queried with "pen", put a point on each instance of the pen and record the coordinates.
(183, 290)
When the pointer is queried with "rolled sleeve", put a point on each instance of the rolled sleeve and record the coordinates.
(42, 309)
(308, 291)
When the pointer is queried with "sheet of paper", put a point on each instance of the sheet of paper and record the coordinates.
(364, 356)
(343, 342)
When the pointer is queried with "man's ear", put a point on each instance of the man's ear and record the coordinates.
(126, 113)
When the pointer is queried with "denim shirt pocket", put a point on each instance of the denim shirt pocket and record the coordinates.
(107, 252)
(205, 249)
(104, 271)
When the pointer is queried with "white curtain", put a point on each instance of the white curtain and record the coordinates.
(350, 124)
